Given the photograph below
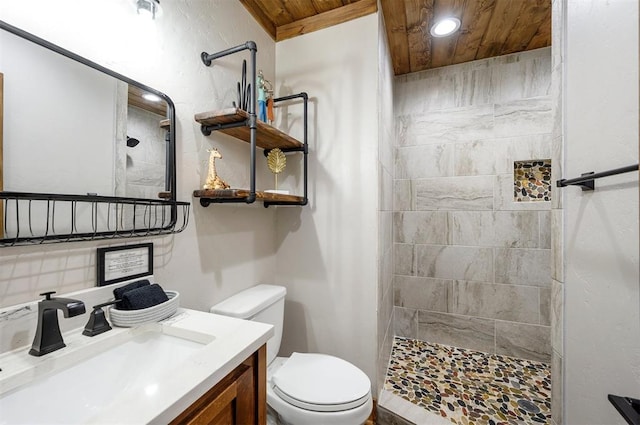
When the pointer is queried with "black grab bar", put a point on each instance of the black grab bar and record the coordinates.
(586, 180)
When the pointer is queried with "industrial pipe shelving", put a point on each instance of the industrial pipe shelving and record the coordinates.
(244, 125)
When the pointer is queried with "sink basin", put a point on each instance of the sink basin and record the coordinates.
(80, 392)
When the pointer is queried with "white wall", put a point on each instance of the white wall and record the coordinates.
(327, 251)
(225, 248)
(602, 319)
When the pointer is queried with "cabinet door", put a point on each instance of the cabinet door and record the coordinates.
(240, 398)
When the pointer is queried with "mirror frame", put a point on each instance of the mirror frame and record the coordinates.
(170, 178)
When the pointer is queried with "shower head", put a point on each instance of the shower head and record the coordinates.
(131, 142)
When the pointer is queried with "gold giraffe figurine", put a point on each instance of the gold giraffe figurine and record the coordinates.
(213, 180)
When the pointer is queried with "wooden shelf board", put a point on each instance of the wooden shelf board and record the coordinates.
(268, 137)
(243, 193)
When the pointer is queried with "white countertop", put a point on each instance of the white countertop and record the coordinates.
(226, 343)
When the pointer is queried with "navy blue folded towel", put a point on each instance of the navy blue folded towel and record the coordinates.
(119, 292)
(143, 297)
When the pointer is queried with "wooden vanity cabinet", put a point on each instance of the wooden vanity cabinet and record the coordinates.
(239, 398)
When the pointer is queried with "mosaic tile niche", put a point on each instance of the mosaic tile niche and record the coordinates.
(532, 180)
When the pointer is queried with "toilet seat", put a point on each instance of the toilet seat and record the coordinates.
(321, 383)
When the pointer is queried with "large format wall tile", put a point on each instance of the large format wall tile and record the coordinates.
(405, 322)
(523, 116)
(557, 316)
(475, 87)
(403, 259)
(545, 306)
(416, 162)
(459, 331)
(557, 173)
(523, 341)
(475, 158)
(385, 314)
(557, 404)
(521, 148)
(422, 293)
(416, 95)
(513, 229)
(545, 230)
(454, 193)
(472, 228)
(524, 78)
(497, 155)
(385, 177)
(385, 230)
(517, 229)
(446, 125)
(455, 262)
(421, 227)
(557, 245)
(464, 87)
(496, 301)
(522, 266)
(402, 195)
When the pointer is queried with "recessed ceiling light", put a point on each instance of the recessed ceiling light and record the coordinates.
(445, 27)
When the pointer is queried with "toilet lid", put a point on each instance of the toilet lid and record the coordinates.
(321, 383)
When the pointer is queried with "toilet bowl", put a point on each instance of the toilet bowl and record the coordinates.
(305, 388)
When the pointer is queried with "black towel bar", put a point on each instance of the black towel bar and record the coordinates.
(586, 180)
(628, 407)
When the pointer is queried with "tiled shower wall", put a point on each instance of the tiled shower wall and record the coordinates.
(558, 13)
(385, 203)
(472, 266)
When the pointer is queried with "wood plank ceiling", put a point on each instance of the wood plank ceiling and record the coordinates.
(489, 27)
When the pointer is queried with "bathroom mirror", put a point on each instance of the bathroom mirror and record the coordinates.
(86, 153)
(74, 127)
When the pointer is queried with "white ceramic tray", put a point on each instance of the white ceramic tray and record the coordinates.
(130, 318)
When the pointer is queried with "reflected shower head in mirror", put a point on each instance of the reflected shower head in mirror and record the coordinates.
(131, 142)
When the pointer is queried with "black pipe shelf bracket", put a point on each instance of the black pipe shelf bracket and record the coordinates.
(45, 218)
(244, 125)
(587, 180)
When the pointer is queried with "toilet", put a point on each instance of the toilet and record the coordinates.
(305, 388)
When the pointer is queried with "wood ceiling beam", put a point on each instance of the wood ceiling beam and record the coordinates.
(326, 19)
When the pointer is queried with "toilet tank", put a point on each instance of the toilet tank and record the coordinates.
(261, 303)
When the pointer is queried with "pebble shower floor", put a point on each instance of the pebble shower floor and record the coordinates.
(470, 387)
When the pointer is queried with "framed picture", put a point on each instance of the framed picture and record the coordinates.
(119, 263)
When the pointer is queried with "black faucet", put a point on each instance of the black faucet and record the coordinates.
(48, 337)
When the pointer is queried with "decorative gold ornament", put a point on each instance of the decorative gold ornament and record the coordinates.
(276, 161)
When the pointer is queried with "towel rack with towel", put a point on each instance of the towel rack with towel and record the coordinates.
(587, 180)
